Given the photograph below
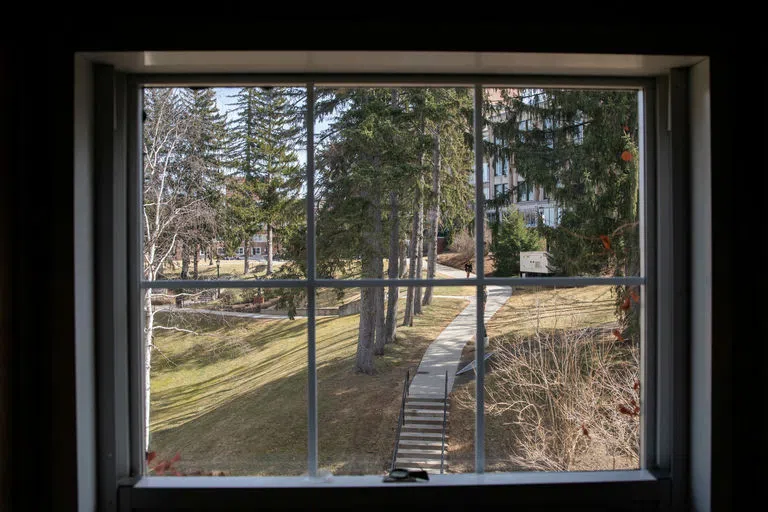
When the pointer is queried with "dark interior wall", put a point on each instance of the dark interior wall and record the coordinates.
(38, 164)
(5, 291)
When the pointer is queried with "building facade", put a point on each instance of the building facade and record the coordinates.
(500, 176)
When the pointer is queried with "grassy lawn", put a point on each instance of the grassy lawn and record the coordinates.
(566, 308)
(228, 269)
(233, 397)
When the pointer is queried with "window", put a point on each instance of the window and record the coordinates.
(220, 251)
(525, 191)
(522, 127)
(549, 134)
(578, 134)
(524, 194)
(486, 172)
(502, 166)
(205, 378)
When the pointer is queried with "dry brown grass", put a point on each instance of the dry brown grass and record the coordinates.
(556, 368)
(456, 260)
(233, 397)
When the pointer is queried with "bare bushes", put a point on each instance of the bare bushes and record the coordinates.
(464, 243)
(570, 398)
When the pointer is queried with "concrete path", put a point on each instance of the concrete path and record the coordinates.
(445, 352)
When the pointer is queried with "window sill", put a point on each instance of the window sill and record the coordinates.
(471, 479)
(617, 490)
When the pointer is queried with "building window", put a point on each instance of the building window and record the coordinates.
(522, 127)
(486, 172)
(502, 166)
(257, 249)
(240, 251)
(220, 251)
(525, 191)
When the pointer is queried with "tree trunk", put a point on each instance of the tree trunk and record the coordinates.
(419, 257)
(245, 252)
(408, 317)
(194, 267)
(149, 317)
(210, 255)
(184, 260)
(434, 218)
(403, 259)
(393, 272)
(380, 338)
(366, 331)
(269, 249)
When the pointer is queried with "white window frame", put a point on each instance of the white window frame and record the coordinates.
(663, 425)
(240, 251)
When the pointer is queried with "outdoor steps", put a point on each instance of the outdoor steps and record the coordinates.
(421, 437)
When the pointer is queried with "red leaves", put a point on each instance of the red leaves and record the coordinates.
(585, 431)
(618, 335)
(635, 296)
(634, 411)
(625, 304)
(626, 156)
(166, 465)
(606, 242)
(636, 385)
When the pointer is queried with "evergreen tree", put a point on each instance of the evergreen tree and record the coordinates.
(203, 150)
(581, 146)
(264, 137)
(512, 238)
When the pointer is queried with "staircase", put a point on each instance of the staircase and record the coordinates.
(420, 443)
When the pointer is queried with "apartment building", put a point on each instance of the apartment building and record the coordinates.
(500, 176)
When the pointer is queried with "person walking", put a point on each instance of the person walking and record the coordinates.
(468, 268)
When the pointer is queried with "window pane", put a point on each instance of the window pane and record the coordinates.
(575, 151)
(361, 378)
(227, 383)
(562, 388)
(224, 174)
(394, 181)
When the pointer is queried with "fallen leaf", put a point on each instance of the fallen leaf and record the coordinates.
(618, 335)
(606, 241)
(625, 304)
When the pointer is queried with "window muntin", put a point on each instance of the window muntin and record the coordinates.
(538, 102)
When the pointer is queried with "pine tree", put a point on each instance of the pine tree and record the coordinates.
(581, 146)
(512, 238)
(203, 148)
(264, 137)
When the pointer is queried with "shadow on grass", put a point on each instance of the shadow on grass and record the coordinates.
(228, 423)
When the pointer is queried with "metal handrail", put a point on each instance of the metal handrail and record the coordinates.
(401, 419)
(445, 414)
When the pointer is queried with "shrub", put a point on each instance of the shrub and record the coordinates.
(512, 238)
(567, 394)
(228, 297)
(463, 243)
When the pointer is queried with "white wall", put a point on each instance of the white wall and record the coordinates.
(84, 291)
(701, 288)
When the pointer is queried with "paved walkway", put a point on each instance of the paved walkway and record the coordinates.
(445, 352)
